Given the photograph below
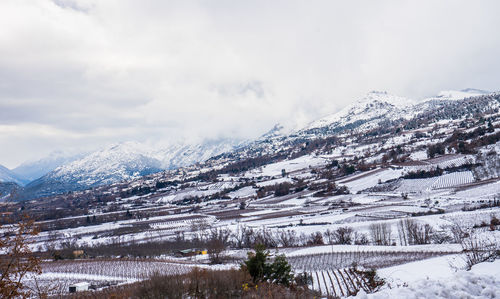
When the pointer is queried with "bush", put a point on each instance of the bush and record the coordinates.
(436, 149)
(372, 282)
(303, 279)
(256, 264)
(17, 260)
(279, 271)
(200, 283)
(494, 221)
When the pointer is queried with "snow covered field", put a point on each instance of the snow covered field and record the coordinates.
(415, 281)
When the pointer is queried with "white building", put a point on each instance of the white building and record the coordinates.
(78, 287)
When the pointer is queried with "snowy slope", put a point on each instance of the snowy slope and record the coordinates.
(184, 154)
(378, 111)
(7, 175)
(123, 161)
(109, 165)
(374, 106)
(32, 170)
(375, 110)
(459, 94)
(442, 282)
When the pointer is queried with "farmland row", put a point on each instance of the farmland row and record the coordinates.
(369, 259)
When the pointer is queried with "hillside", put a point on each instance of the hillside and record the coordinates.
(121, 162)
(8, 176)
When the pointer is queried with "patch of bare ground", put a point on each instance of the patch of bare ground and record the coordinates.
(475, 184)
(368, 173)
(231, 214)
(280, 214)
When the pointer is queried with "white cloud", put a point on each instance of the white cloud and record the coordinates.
(101, 71)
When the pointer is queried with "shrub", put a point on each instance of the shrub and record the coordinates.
(372, 282)
(280, 271)
(257, 265)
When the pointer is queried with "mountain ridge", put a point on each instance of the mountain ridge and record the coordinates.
(131, 160)
(8, 176)
(122, 161)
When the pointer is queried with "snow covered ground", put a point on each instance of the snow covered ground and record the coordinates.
(365, 181)
(444, 181)
(433, 278)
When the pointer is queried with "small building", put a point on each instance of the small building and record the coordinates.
(191, 252)
(79, 287)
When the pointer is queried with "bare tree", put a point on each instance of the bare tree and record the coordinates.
(476, 247)
(43, 290)
(411, 232)
(249, 238)
(361, 238)
(343, 235)
(380, 233)
(329, 236)
(218, 240)
(265, 237)
(287, 238)
(17, 260)
(238, 236)
(315, 239)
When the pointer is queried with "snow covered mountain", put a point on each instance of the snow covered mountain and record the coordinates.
(123, 161)
(377, 107)
(109, 165)
(184, 154)
(460, 94)
(113, 163)
(376, 110)
(368, 111)
(32, 170)
(380, 111)
(8, 176)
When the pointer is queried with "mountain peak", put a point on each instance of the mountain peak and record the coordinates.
(460, 94)
(373, 105)
(377, 92)
(277, 130)
(384, 97)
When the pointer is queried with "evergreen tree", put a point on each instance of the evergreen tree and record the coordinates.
(256, 264)
(279, 271)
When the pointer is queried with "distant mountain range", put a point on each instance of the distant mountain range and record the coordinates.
(59, 173)
(32, 170)
(120, 162)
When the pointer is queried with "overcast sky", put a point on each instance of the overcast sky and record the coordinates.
(82, 74)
